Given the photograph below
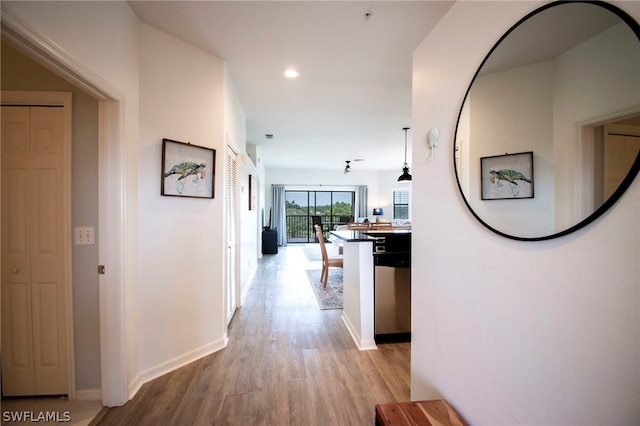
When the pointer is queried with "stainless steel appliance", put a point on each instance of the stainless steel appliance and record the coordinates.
(392, 287)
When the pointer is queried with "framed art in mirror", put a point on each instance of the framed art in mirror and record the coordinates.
(187, 170)
(508, 176)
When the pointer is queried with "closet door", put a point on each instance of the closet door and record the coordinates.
(34, 354)
(232, 234)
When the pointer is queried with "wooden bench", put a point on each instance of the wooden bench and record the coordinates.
(436, 413)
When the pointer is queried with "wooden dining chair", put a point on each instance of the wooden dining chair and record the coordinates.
(327, 262)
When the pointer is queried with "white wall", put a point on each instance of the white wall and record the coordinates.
(387, 183)
(514, 332)
(181, 308)
(250, 242)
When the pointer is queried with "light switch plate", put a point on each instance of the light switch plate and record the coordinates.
(85, 235)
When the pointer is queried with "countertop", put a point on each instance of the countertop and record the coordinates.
(358, 236)
(350, 236)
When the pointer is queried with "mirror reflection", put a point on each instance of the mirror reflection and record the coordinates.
(564, 84)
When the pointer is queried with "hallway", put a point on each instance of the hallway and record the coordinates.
(287, 363)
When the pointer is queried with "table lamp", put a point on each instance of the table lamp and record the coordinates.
(378, 212)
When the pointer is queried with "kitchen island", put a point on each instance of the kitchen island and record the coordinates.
(359, 305)
(357, 311)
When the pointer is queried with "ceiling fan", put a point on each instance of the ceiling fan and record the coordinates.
(347, 168)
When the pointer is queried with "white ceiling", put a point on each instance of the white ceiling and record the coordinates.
(549, 34)
(354, 95)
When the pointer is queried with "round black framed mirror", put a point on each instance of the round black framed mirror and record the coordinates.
(548, 136)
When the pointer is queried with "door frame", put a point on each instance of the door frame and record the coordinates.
(59, 99)
(113, 207)
(586, 157)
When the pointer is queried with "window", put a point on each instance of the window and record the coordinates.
(401, 204)
(332, 207)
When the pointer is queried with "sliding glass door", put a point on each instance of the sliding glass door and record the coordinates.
(328, 208)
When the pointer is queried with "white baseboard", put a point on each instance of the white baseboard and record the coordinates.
(134, 386)
(245, 291)
(175, 363)
(363, 345)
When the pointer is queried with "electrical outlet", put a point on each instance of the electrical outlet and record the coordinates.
(85, 235)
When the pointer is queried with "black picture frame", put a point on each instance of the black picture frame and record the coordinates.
(253, 192)
(507, 177)
(187, 170)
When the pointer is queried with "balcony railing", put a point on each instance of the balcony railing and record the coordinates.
(300, 228)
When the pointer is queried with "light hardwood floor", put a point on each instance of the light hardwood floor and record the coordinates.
(287, 363)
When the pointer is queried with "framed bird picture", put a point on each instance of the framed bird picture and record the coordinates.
(508, 176)
(187, 170)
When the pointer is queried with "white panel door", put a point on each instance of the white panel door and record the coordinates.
(34, 336)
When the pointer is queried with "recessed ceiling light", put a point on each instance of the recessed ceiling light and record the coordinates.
(291, 73)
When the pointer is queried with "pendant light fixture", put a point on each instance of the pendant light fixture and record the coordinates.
(405, 176)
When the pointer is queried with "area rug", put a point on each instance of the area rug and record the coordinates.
(331, 296)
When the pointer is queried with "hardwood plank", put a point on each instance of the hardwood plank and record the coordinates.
(287, 363)
(301, 403)
(233, 409)
(168, 398)
(191, 401)
(390, 359)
